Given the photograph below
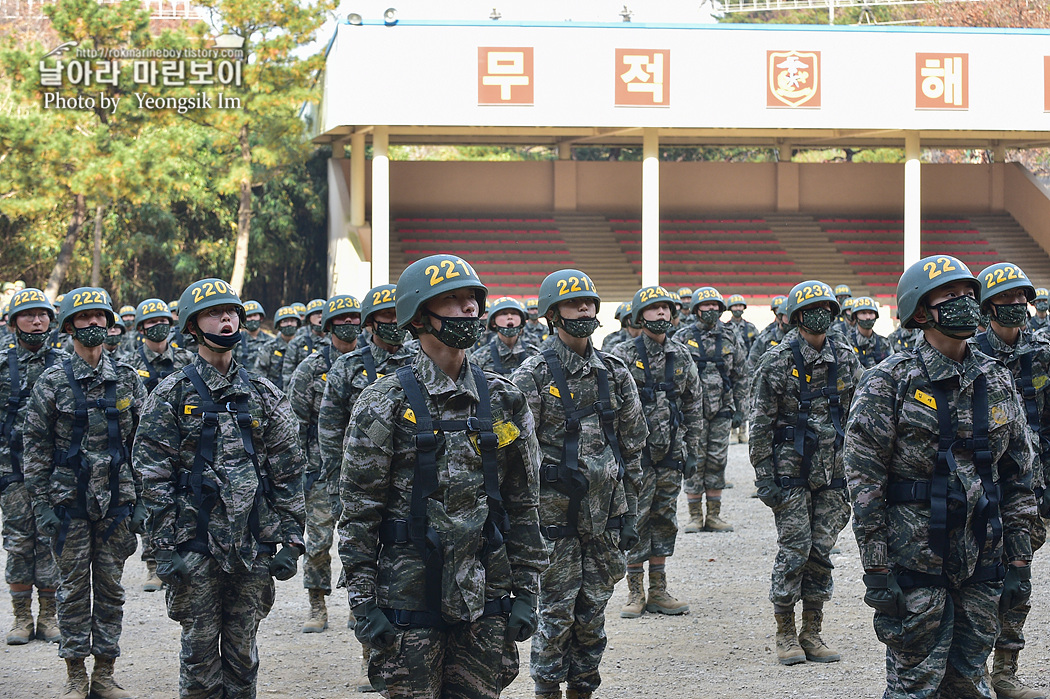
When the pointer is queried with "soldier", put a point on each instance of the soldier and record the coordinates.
(747, 332)
(842, 294)
(535, 331)
(222, 478)
(871, 348)
(614, 338)
(178, 339)
(130, 340)
(771, 335)
(154, 358)
(1005, 294)
(903, 338)
(1042, 304)
(253, 337)
(29, 558)
(312, 339)
(269, 363)
(341, 318)
(722, 363)
(685, 295)
(77, 432)
(440, 536)
(507, 349)
(800, 401)
(114, 339)
(672, 401)
(591, 432)
(929, 431)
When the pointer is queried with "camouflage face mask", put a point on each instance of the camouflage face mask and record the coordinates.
(958, 317)
(287, 330)
(815, 320)
(867, 323)
(347, 332)
(458, 333)
(510, 332)
(91, 336)
(737, 313)
(113, 340)
(252, 325)
(1011, 315)
(32, 339)
(389, 333)
(580, 327)
(158, 332)
(710, 316)
(657, 327)
(1042, 305)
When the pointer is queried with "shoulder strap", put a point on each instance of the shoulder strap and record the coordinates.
(370, 364)
(497, 363)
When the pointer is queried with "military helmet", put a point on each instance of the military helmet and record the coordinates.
(506, 303)
(86, 298)
(377, 299)
(685, 293)
(285, 312)
(806, 294)
(1004, 276)
(1042, 294)
(843, 290)
(650, 296)
(126, 310)
(119, 322)
(532, 303)
(253, 307)
(27, 300)
(204, 294)
(314, 306)
(847, 305)
(864, 303)
(173, 306)
(431, 276)
(736, 300)
(620, 310)
(564, 285)
(19, 285)
(336, 306)
(923, 277)
(58, 299)
(707, 293)
(152, 308)
(8, 286)
(776, 303)
(300, 308)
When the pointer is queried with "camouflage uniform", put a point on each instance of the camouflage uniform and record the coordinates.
(249, 348)
(230, 589)
(510, 357)
(152, 366)
(745, 330)
(537, 332)
(269, 362)
(809, 517)
(903, 338)
(453, 650)
(614, 338)
(940, 646)
(1036, 323)
(94, 540)
(299, 349)
(585, 564)
(771, 336)
(870, 350)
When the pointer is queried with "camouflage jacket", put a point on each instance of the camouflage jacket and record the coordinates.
(870, 350)
(159, 365)
(376, 485)
(247, 350)
(775, 392)
(746, 331)
(1037, 323)
(346, 380)
(299, 349)
(30, 366)
(537, 333)
(614, 338)
(701, 342)
(165, 449)
(48, 429)
(305, 392)
(689, 401)
(607, 495)
(893, 435)
(269, 361)
(903, 338)
(770, 337)
(510, 357)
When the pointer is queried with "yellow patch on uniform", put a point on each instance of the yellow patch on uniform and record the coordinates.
(506, 433)
(144, 374)
(255, 423)
(925, 399)
(324, 376)
(794, 372)
(842, 385)
(410, 415)
(123, 403)
(557, 394)
(1039, 381)
(998, 415)
(189, 409)
(639, 364)
(692, 343)
(773, 343)
(278, 353)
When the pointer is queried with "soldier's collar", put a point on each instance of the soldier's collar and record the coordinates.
(216, 381)
(105, 371)
(438, 383)
(573, 362)
(942, 368)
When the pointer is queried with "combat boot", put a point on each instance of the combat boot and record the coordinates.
(364, 685)
(714, 523)
(635, 596)
(1005, 681)
(46, 619)
(77, 679)
(546, 690)
(573, 693)
(696, 517)
(153, 583)
(789, 652)
(22, 630)
(318, 620)
(809, 638)
(103, 686)
(659, 601)
(741, 436)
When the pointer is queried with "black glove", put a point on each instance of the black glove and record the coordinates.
(521, 623)
(769, 492)
(689, 469)
(137, 525)
(1044, 504)
(629, 532)
(1017, 587)
(373, 628)
(738, 419)
(884, 594)
(171, 568)
(47, 521)
(283, 564)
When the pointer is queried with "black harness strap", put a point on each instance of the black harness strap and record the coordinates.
(647, 394)
(717, 359)
(16, 400)
(155, 373)
(497, 363)
(370, 365)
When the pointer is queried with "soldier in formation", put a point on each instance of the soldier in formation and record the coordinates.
(253, 337)
(310, 339)
(871, 348)
(771, 335)
(1041, 302)
(269, 363)
(507, 348)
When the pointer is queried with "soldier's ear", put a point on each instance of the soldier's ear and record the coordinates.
(920, 316)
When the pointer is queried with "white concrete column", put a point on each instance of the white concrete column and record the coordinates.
(380, 206)
(650, 208)
(912, 200)
(357, 179)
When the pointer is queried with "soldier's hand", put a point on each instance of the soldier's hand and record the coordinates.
(47, 521)
(284, 563)
(689, 469)
(521, 623)
(373, 628)
(629, 533)
(137, 525)
(738, 419)
(884, 594)
(769, 492)
(171, 568)
(1017, 587)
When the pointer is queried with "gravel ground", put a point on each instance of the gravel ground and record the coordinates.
(723, 648)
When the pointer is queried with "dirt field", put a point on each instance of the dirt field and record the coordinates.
(723, 648)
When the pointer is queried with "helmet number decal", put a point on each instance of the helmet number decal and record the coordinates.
(386, 295)
(572, 284)
(998, 276)
(343, 303)
(811, 291)
(210, 289)
(945, 266)
(450, 271)
(28, 296)
(154, 307)
(80, 298)
(653, 292)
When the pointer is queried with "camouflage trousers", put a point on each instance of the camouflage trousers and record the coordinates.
(470, 660)
(1011, 637)
(323, 508)
(713, 457)
(29, 557)
(220, 614)
(657, 514)
(940, 647)
(574, 591)
(90, 596)
(808, 524)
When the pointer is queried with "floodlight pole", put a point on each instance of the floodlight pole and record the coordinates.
(380, 206)
(912, 199)
(650, 208)
(357, 179)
